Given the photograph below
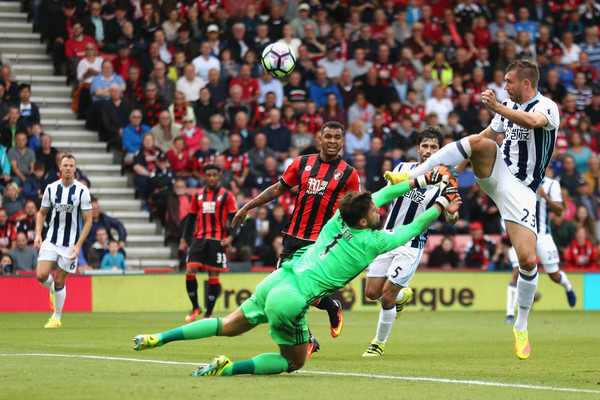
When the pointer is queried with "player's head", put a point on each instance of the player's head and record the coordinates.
(359, 211)
(332, 139)
(429, 141)
(522, 79)
(212, 175)
(68, 165)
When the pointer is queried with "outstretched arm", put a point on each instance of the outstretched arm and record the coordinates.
(391, 192)
(529, 120)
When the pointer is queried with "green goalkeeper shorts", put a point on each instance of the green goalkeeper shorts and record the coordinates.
(278, 302)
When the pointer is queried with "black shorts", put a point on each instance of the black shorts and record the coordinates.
(208, 254)
(291, 244)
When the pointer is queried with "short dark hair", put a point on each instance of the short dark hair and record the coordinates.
(70, 156)
(431, 132)
(332, 125)
(207, 167)
(24, 86)
(354, 206)
(525, 69)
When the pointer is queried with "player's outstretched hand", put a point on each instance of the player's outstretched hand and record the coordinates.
(239, 216)
(448, 195)
(438, 176)
(395, 177)
(488, 98)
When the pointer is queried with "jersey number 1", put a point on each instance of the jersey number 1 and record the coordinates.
(332, 244)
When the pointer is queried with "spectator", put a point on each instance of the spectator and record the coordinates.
(102, 221)
(87, 69)
(149, 23)
(570, 50)
(153, 105)
(480, 249)
(13, 202)
(312, 118)
(592, 176)
(251, 90)
(161, 184)
(262, 39)
(261, 111)
(581, 91)
(190, 84)
(332, 64)
(8, 233)
(267, 178)
(205, 61)
(299, 23)
(11, 90)
(100, 246)
(24, 256)
(30, 112)
(116, 25)
(5, 167)
(333, 111)
(268, 84)
(373, 89)
(218, 89)
(185, 43)
(563, 232)
(27, 224)
(584, 199)
(124, 60)
(502, 24)
(95, 26)
(219, 139)
(356, 139)
(6, 265)
(133, 134)
(115, 113)
(235, 104)
(320, 87)
(113, 259)
(425, 84)
(4, 107)
(75, 47)
(258, 155)
(204, 109)
(55, 29)
(144, 162)
(279, 137)
(164, 132)
(581, 253)
(316, 49)
(236, 160)
(591, 46)
(361, 110)
(444, 256)
(10, 126)
(171, 26)
(204, 155)
(179, 110)
(179, 160)
(100, 86)
(405, 137)
(230, 68)
(21, 159)
(191, 133)
(569, 176)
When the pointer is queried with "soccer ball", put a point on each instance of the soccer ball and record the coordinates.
(278, 60)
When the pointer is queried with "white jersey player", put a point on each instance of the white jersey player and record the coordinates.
(70, 207)
(549, 200)
(512, 173)
(389, 274)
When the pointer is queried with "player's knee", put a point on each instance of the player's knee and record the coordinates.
(41, 276)
(372, 293)
(296, 362)
(388, 298)
(528, 261)
(479, 143)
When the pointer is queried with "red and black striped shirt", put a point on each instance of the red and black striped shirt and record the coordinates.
(212, 207)
(321, 185)
(8, 234)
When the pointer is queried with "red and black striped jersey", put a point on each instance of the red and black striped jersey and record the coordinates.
(314, 122)
(212, 207)
(8, 233)
(236, 162)
(321, 185)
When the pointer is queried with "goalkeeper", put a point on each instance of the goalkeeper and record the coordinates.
(346, 245)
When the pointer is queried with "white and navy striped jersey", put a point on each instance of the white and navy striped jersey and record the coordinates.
(552, 188)
(527, 152)
(406, 208)
(66, 205)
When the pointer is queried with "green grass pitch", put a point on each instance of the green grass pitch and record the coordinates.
(453, 346)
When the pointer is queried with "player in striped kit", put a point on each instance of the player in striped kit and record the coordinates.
(70, 207)
(511, 174)
(549, 199)
(389, 275)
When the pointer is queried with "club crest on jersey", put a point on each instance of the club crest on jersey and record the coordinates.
(74, 199)
(316, 186)
(208, 207)
(219, 197)
(307, 168)
(337, 175)
(200, 198)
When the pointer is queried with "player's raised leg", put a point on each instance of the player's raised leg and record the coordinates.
(524, 241)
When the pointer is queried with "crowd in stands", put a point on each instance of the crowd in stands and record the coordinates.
(178, 84)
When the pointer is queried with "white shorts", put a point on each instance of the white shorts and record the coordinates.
(515, 201)
(58, 254)
(546, 251)
(398, 265)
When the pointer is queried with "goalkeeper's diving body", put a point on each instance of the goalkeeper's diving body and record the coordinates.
(346, 245)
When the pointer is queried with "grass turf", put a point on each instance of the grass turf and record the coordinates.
(447, 345)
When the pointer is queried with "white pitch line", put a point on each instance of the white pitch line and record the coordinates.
(370, 376)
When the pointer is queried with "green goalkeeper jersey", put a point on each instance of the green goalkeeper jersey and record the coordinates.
(341, 252)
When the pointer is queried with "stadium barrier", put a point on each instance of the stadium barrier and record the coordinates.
(434, 291)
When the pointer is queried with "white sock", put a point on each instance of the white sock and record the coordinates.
(511, 299)
(526, 285)
(452, 154)
(59, 301)
(565, 281)
(49, 283)
(385, 323)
